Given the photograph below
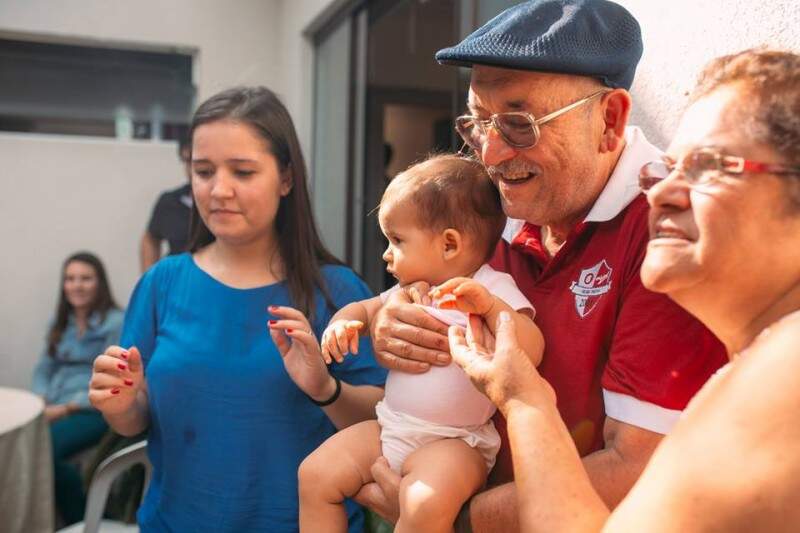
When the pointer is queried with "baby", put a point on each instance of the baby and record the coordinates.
(443, 219)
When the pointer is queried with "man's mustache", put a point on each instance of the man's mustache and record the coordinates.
(513, 167)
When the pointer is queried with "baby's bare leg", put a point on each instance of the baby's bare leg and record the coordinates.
(334, 471)
(437, 479)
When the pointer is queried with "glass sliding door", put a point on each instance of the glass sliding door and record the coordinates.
(330, 173)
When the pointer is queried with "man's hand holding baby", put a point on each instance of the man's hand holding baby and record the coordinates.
(406, 338)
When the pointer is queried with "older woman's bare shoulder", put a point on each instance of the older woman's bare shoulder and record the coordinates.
(772, 362)
(733, 459)
(745, 440)
(779, 338)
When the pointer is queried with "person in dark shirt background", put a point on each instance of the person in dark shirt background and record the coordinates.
(170, 219)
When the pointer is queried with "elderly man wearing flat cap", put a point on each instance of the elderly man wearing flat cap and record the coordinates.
(547, 115)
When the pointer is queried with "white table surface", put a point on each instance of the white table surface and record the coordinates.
(26, 464)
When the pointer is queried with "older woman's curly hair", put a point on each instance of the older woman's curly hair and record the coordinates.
(771, 81)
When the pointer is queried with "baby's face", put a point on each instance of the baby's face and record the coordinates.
(414, 253)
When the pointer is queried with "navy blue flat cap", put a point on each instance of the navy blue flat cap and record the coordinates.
(594, 38)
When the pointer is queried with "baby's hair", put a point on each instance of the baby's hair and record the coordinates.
(452, 191)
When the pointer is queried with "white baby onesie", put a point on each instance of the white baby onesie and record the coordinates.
(442, 402)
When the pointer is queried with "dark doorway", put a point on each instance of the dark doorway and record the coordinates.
(381, 103)
(410, 106)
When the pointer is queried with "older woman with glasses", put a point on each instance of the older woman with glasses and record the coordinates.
(725, 245)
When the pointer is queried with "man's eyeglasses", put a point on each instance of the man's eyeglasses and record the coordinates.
(518, 128)
(703, 166)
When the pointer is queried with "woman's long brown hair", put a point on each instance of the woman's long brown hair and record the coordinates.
(301, 250)
(103, 300)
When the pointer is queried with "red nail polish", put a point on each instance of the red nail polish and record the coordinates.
(273, 322)
(122, 366)
(129, 382)
(289, 330)
(114, 391)
(124, 355)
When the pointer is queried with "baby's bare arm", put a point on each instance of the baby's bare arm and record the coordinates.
(529, 335)
(363, 311)
(345, 327)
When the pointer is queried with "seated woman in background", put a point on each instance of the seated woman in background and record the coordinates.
(87, 320)
(725, 245)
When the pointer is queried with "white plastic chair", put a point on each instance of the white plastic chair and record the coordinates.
(106, 473)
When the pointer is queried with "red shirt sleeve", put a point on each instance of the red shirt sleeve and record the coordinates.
(659, 353)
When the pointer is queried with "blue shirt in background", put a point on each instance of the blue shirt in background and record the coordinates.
(228, 427)
(64, 377)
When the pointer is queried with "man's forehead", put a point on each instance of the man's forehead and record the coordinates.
(515, 89)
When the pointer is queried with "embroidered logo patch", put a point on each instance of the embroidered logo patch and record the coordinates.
(592, 283)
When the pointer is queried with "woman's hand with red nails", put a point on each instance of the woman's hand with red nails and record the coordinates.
(299, 348)
(117, 377)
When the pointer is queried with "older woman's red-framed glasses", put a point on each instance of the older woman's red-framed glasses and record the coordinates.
(703, 166)
(517, 128)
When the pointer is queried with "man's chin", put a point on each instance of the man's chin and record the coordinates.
(522, 211)
(522, 204)
(514, 209)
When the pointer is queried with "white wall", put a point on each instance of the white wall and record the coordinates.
(60, 196)
(236, 41)
(65, 193)
(295, 61)
(680, 36)
(62, 193)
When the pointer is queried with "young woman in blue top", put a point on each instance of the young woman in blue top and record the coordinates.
(87, 319)
(231, 417)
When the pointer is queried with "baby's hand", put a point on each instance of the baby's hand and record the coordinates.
(463, 294)
(339, 339)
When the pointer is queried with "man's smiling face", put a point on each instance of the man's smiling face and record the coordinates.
(556, 181)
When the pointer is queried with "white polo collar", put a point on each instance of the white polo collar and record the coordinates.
(622, 186)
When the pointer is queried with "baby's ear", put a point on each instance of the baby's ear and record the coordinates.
(452, 242)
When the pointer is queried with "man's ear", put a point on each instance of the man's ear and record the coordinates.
(287, 181)
(616, 107)
(452, 243)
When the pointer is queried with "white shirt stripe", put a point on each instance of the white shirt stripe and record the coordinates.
(638, 413)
